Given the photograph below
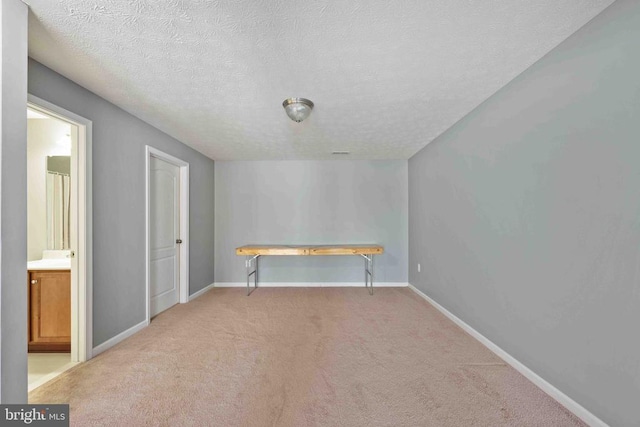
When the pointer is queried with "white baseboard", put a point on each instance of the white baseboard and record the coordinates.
(573, 406)
(201, 291)
(120, 337)
(309, 284)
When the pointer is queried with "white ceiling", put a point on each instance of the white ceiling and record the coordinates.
(386, 77)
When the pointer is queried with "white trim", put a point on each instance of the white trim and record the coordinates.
(573, 406)
(120, 337)
(184, 233)
(310, 284)
(201, 292)
(183, 286)
(147, 244)
(82, 277)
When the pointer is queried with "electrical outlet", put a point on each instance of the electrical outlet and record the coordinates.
(418, 268)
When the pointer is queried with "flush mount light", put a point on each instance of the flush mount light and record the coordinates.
(297, 109)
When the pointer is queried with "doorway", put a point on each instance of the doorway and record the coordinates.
(59, 240)
(167, 229)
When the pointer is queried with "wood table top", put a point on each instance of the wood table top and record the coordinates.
(363, 249)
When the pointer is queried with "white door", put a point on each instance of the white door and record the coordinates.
(164, 228)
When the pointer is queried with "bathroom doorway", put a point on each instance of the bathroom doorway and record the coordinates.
(58, 240)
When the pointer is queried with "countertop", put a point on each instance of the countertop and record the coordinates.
(50, 264)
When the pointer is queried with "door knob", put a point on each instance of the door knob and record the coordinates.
(34, 282)
(178, 241)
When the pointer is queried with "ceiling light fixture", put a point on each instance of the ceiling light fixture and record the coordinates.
(297, 109)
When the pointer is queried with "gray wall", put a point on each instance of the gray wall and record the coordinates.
(311, 202)
(13, 203)
(119, 141)
(525, 217)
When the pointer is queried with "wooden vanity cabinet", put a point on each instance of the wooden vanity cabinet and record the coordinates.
(49, 310)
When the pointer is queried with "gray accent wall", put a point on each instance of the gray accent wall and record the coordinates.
(311, 202)
(525, 217)
(119, 141)
(13, 203)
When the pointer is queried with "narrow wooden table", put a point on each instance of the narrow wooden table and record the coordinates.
(254, 252)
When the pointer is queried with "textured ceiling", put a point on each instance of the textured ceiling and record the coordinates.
(386, 77)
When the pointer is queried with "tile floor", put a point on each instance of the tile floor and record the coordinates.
(46, 366)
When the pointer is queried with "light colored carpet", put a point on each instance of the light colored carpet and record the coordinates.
(302, 357)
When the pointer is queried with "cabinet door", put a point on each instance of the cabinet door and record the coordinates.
(50, 307)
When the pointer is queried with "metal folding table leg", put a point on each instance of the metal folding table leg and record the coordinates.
(371, 273)
(368, 272)
(247, 263)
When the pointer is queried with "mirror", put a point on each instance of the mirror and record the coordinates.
(58, 202)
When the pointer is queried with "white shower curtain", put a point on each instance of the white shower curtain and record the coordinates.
(58, 205)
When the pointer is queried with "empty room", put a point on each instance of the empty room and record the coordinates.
(245, 213)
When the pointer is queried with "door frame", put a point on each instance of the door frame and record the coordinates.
(183, 281)
(82, 243)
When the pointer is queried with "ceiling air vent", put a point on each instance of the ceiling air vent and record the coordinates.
(340, 152)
